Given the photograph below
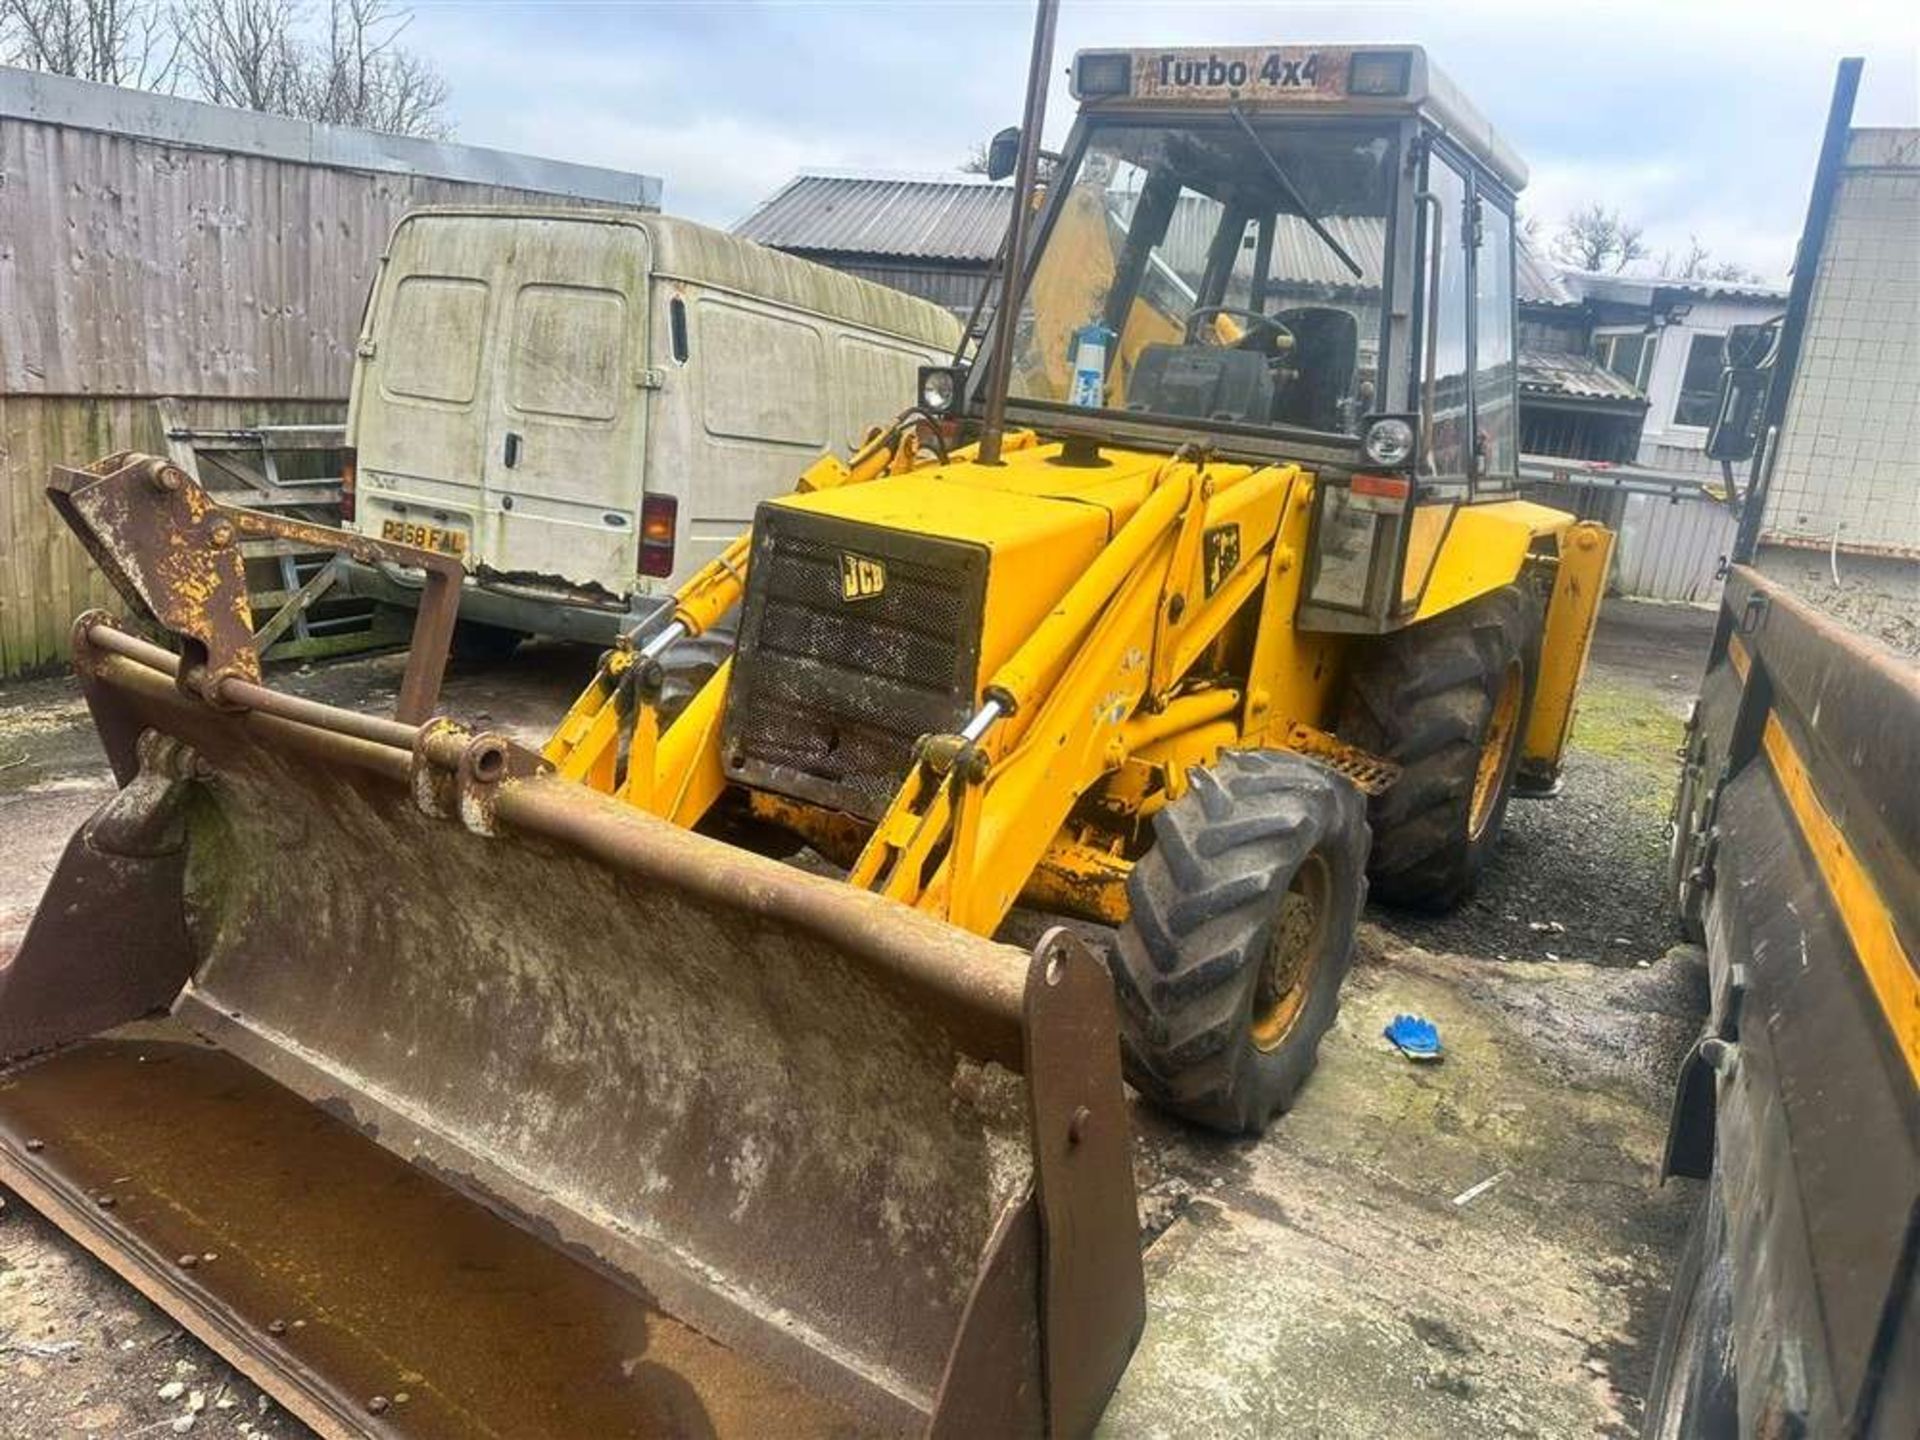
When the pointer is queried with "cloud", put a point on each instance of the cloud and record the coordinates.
(1690, 118)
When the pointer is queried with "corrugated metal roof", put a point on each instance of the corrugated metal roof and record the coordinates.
(955, 217)
(962, 218)
(1641, 289)
(1550, 372)
(1299, 256)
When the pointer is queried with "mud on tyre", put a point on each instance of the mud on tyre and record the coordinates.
(1240, 933)
(1448, 700)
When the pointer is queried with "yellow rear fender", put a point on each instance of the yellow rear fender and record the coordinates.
(1482, 548)
(1579, 583)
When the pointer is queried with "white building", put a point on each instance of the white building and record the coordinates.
(1666, 337)
(1843, 507)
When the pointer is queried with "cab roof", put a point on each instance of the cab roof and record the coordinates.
(1328, 79)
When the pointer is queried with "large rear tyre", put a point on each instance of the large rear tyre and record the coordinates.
(1241, 930)
(1448, 700)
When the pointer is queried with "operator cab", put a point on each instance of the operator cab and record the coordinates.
(1296, 253)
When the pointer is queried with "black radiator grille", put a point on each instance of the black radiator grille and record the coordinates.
(829, 693)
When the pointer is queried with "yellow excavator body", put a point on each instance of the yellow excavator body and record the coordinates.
(451, 1087)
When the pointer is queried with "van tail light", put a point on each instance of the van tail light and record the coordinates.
(349, 483)
(659, 516)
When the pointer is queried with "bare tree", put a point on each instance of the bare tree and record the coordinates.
(112, 42)
(244, 53)
(363, 76)
(1598, 239)
(1696, 262)
(346, 68)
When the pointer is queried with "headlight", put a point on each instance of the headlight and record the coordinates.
(1388, 441)
(940, 387)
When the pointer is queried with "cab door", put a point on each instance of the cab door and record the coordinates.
(566, 417)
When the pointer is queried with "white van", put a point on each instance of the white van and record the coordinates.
(586, 405)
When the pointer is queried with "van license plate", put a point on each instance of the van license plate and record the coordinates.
(425, 537)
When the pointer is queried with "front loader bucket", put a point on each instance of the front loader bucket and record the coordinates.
(446, 1097)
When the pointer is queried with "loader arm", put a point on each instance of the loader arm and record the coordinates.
(1109, 673)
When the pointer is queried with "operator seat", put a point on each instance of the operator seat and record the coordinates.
(1326, 349)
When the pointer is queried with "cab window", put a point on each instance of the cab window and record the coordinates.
(1446, 311)
(1204, 272)
(1466, 321)
(1494, 395)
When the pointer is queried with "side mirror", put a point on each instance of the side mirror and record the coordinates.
(1735, 432)
(1003, 153)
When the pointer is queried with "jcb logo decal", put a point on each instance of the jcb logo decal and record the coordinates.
(1220, 556)
(861, 578)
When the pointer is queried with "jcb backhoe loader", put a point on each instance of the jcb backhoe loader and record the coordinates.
(1203, 628)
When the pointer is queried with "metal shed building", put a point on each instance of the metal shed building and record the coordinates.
(159, 248)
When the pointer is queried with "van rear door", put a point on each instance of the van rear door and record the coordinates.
(566, 411)
(420, 385)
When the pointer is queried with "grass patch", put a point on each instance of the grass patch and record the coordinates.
(1630, 725)
(1627, 722)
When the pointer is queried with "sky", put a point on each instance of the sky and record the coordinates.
(1692, 119)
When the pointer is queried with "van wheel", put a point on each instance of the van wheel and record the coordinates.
(1448, 700)
(481, 643)
(1241, 930)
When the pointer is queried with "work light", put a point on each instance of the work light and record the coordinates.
(1387, 440)
(1102, 72)
(940, 388)
(1380, 72)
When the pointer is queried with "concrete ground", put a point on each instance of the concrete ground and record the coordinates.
(1478, 1247)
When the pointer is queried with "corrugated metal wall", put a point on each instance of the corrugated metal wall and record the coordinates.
(954, 284)
(132, 269)
(1672, 549)
(1663, 549)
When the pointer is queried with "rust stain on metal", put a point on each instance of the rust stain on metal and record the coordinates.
(167, 547)
(793, 1117)
(312, 1219)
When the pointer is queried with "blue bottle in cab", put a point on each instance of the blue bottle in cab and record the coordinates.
(1091, 344)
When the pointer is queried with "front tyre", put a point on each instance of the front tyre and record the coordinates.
(1241, 930)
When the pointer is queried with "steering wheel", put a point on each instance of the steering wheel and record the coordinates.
(1281, 337)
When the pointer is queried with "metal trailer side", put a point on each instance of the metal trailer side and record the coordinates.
(1796, 833)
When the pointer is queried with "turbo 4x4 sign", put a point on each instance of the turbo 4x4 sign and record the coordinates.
(1294, 73)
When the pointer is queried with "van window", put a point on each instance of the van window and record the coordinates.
(761, 376)
(431, 350)
(677, 326)
(568, 348)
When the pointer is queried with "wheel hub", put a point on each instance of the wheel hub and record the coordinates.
(1293, 955)
(1502, 731)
